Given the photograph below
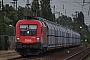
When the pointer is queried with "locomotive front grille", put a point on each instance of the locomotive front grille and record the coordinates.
(18, 45)
(36, 45)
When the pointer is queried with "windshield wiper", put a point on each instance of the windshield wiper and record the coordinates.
(31, 31)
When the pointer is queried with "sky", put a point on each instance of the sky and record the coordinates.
(71, 6)
(66, 7)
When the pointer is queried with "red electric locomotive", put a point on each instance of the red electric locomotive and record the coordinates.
(30, 37)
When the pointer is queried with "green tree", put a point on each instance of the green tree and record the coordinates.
(20, 12)
(80, 18)
(46, 10)
(64, 20)
(27, 11)
(11, 13)
(10, 18)
(35, 8)
(79, 22)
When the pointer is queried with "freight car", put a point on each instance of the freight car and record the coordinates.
(38, 35)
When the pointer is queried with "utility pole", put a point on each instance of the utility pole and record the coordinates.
(2, 12)
(27, 5)
(63, 9)
(76, 14)
(83, 2)
(89, 7)
(14, 4)
(89, 11)
(59, 13)
(3, 16)
(0, 5)
(83, 5)
(54, 13)
(36, 11)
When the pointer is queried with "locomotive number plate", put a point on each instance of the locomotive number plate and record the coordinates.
(28, 40)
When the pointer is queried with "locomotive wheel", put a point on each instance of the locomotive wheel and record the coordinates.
(44, 50)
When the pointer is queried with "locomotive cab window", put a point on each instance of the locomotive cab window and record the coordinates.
(28, 30)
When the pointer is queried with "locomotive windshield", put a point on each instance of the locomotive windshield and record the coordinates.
(28, 30)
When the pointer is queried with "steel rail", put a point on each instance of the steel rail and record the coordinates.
(14, 58)
(68, 58)
(85, 56)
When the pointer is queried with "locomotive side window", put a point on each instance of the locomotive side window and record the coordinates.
(28, 30)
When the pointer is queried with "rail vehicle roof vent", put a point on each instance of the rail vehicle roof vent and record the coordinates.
(29, 17)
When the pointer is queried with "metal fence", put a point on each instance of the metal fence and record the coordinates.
(11, 40)
(7, 42)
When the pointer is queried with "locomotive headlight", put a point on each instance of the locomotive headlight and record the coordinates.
(18, 39)
(38, 39)
(28, 32)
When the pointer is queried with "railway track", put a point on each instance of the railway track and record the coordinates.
(60, 54)
(19, 57)
(85, 53)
